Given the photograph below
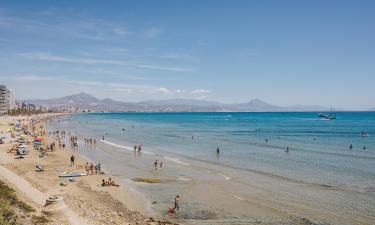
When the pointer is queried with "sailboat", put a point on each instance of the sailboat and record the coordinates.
(331, 116)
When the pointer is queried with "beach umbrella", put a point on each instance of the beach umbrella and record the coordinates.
(37, 143)
(39, 139)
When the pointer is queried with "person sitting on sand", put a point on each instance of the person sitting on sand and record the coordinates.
(104, 183)
(112, 183)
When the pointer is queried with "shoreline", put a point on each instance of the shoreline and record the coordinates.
(86, 200)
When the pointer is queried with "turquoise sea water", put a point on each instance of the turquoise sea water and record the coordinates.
(319, 172)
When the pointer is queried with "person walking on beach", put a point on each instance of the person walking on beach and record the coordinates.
(92, 169)
(72, 158)
(87, 168)
(177, 203)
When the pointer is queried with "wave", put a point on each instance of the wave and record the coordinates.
(128, 148)
(225, 176)
(176, 161)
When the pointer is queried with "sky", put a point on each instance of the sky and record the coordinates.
(283, 52)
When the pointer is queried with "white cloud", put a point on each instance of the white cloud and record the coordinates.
(150, 33)
(200, 91)
(201, 97)
(164, 90)
(177, 56)
(33, 78)
(84, 82)
(120, 31)
(43, 56)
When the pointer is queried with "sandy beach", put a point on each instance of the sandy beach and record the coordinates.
(87, 202)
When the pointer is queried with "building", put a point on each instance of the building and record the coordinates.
(6, 99)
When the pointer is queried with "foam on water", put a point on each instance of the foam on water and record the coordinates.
(175, 160)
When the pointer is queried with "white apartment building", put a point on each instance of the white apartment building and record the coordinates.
(6, 99)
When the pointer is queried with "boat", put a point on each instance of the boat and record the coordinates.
(331, 116)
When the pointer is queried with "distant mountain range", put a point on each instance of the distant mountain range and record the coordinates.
(89, 102)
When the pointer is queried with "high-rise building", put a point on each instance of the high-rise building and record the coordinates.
(6, 99)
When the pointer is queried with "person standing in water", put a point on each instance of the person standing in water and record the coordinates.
(156, 164)
(217, 150)
(350, 146)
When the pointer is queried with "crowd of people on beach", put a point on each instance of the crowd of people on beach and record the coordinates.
(110, 182)
(90, 168)
(90, 141)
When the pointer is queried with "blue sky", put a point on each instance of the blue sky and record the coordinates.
(283, 52)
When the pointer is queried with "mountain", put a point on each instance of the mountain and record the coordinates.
(89, 102)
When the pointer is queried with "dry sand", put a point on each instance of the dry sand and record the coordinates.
(87, 202)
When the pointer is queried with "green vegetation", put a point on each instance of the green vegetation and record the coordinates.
(7, 214)
(41, 219)
(9, 203)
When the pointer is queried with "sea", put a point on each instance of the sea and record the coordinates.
(239, 168)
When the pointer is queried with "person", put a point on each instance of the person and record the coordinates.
(350, 146)
(177, 203)
(135, 147)
(99, 168)
(217, 150)
(103, 138)
(72, 160)
(104, 183)
(92, 169)
(287, 149)
(87, 168)
(112, 183)
(161, 164)
(156, 164)
(364, 147)
(266, 139)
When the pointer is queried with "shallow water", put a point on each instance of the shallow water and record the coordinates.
(252, 179)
